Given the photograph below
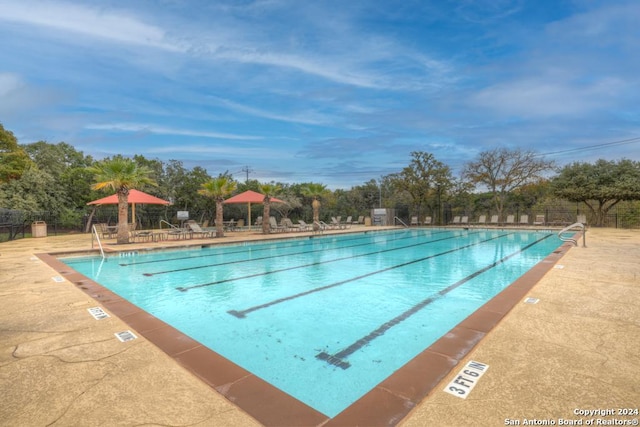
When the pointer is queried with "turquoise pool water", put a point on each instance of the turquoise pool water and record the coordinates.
(326, 318)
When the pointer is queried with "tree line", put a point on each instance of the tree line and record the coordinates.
(57, 178)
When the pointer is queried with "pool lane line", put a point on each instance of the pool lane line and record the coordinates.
(300, 242)
(312, 264)
(242, 313)
(304, 252)
(337, 359)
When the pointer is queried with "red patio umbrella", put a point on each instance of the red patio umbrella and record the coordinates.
(249, 197)
(135, 196)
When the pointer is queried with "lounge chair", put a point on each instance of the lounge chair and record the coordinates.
(319, 227)
(348, 222)
(289, 225)
(414, 221)
(360, 219)
(456, 220)
(304, 226)
(511, 220)
(194, 229)
(274, 227)
(494, 220)
(482, 219)
(524, 219)
(464, 220)
(427, 220)
(539, 220)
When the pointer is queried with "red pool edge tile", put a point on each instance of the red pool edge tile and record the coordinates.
(387, 404)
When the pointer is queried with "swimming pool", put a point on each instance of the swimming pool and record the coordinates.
(327, 318)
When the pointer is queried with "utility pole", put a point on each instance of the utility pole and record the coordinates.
(247, 170)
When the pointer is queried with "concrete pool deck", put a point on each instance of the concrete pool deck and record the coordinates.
(577, 348)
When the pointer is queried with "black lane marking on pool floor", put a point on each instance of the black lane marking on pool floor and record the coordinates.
(242, 313)
(303, 252)
(264, 246)
(265, 273)
(337, 359)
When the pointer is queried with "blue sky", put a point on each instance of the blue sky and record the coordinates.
(336, 92)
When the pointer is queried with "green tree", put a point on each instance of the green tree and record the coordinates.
(502, 171)
(314, 191)
(218, 189)
(424, 179)
(35, 190)
(121, 174)
(269, 190)
(13, 159)
(600, 186)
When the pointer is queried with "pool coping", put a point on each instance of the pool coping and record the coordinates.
(387, 404)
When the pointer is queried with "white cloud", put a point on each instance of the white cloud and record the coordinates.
(543, 97)
(160, 130)
(118, 26)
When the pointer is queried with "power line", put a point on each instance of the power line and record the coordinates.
(594, 147)
(247, 170)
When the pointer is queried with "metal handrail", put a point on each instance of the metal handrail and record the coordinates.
(95, 232)
(401, 221)
(169, 224)
(571, 239)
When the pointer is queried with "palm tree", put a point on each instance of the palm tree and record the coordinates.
(269, 191)
(218, 189)
(121, 174)
(315, 191)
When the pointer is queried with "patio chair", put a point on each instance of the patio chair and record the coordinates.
(335, 223)
(539, 220)
(360, 219)
(511, 220)
(427, 220)
(494, 220)
(482, 219)
(524, 219)
(456, 220)
(464, 220)
(414, 221)
(348, 222)
(106, 230)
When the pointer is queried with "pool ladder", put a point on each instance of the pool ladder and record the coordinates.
(395, 218)
(94, 232)
(571, 239)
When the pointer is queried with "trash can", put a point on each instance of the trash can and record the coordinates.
(39, 229)
(367, 221)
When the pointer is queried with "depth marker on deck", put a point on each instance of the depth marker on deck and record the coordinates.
(466, 379)
(97, 313)
(125, 336)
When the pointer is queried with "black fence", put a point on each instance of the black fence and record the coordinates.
(18, 224)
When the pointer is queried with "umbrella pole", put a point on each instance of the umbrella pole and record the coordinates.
(249, 215)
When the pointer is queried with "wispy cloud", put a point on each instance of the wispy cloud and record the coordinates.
(83, 20)
(160, 130)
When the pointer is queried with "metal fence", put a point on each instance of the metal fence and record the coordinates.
(17, 224)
